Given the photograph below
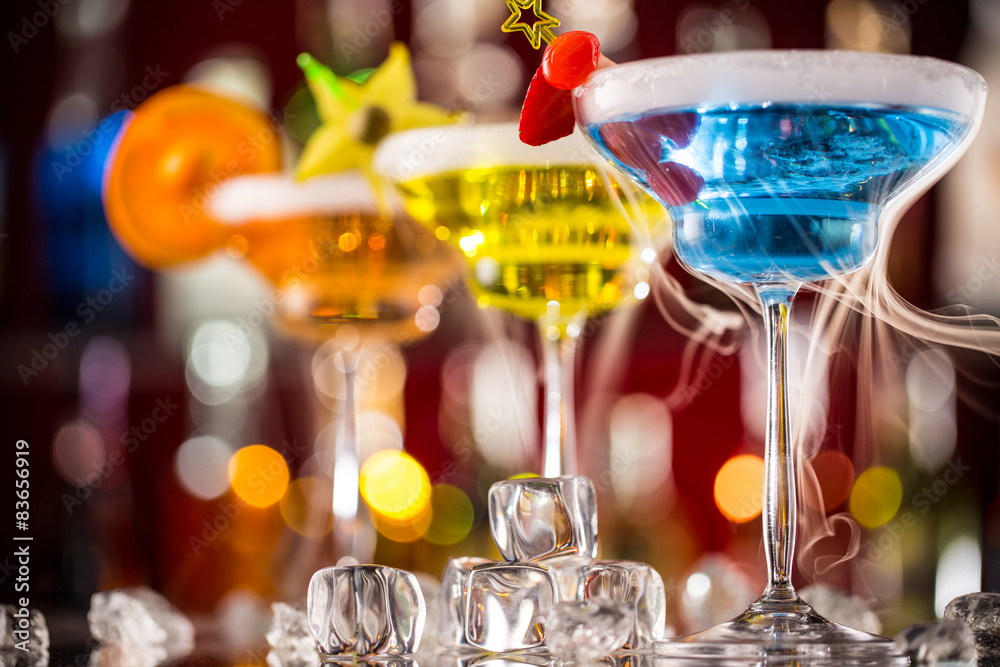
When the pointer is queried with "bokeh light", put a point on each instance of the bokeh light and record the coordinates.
(498, 65)
(452, 515)
(376, 431)
(958, 572)
(930, 379)
(876, 496)
(641, 435)
(78, 452)
(930, 387)
(409, 530)
(225, 358)
(259, 475)
(835, 474)
(105, 375)
(503, 391)
(614, 20)
(202, 466)
(235, 75)
(380, 374)
(427, 318)
(430, 295)
(219, 354)
(395, 486)
(738, 488)
(306, 506)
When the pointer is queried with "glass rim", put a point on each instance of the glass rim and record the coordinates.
(411, 154)
(793, 76)
(279, 196)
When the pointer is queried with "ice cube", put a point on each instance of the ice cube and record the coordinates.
(587, 631)
(981, 612)
(139, 616)
(365, 610)
(289, 636)
(429, 587)
(539, 518)
(452, 601)
(948, 640)
(502, 603)
(637, 587)
(115, 617)
(179, 629)
(26, 629)
(567, 573)
(841, 607)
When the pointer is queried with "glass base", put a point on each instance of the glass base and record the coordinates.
(779, 630)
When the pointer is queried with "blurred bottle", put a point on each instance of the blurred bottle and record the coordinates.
(966, 268)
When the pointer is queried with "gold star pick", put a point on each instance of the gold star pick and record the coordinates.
(535, 32)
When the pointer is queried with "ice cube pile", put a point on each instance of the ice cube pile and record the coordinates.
(546, 532)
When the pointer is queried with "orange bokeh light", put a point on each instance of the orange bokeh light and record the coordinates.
(347, 242)
(259, 475)
(738, 488)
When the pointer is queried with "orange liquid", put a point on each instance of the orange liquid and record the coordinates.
(354, 268)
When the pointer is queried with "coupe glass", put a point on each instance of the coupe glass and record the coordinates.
(348, 266)
(778, 168)
(546, 232)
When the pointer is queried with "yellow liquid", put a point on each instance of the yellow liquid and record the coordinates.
(533, 235)
(350, 268)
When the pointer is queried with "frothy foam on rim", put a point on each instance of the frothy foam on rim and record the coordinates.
(750, 77)
(280, 196)
(439, 150)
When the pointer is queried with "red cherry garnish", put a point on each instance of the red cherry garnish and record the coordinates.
(547, 113)
(570, 59)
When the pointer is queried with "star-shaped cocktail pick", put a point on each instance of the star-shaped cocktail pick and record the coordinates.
(535, 32)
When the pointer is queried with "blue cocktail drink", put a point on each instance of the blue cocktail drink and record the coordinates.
(780, 168)
(784, 192)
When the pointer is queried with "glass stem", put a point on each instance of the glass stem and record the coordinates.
(346, 487)
(559, 454)
(779, 511)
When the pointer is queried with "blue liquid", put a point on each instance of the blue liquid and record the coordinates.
(791, 192)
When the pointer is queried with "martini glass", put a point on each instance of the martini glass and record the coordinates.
(347, 266)
(546, 232)
(778, 168)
